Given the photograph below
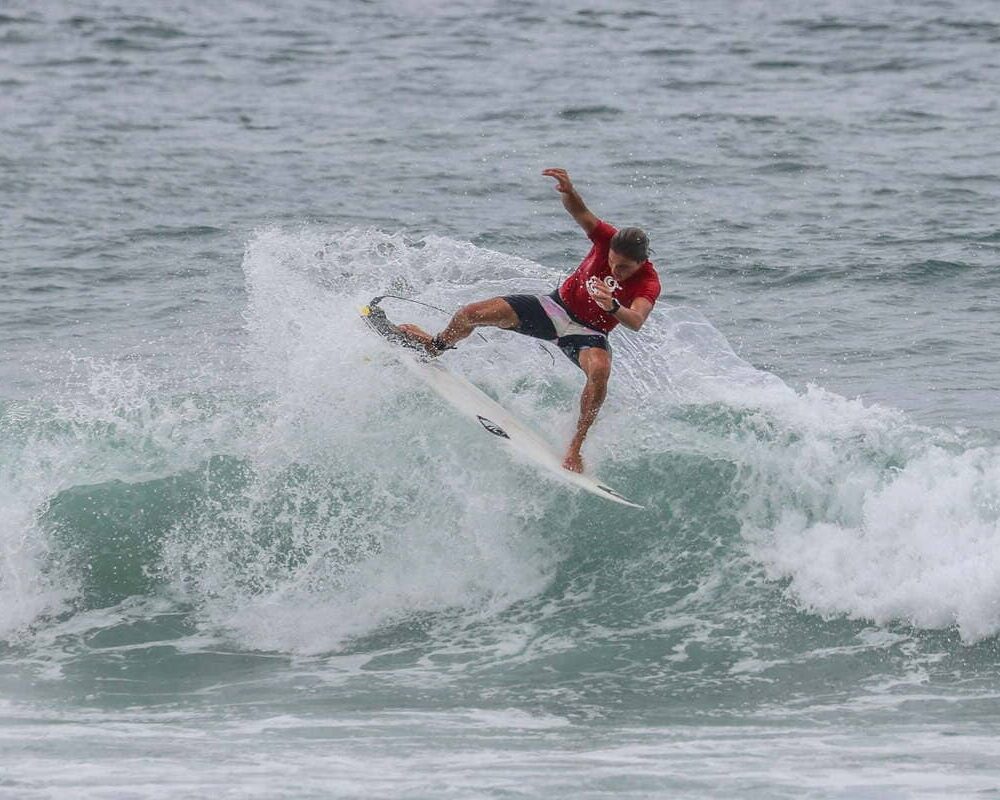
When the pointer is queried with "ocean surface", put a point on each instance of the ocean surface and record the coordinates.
(244, 555)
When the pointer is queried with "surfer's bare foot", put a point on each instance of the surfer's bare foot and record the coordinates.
(573, 462)
(423, 337)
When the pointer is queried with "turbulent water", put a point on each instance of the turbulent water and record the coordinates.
(243, 554)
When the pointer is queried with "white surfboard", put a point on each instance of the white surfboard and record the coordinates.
(478, 406)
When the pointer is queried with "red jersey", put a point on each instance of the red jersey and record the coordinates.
(576, 298)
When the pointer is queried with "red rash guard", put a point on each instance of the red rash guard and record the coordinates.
(576, 298)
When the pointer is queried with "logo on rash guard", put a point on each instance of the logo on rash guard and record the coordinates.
(609, 281)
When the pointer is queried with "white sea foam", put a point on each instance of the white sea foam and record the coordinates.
(868, 515)
(107, 422)
(919, 545)
(29, 587)
(405, 526)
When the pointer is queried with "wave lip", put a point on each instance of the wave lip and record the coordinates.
(921, 548)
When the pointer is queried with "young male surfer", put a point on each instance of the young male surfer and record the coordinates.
(615, 283)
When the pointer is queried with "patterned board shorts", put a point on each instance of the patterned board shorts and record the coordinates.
(544, 317)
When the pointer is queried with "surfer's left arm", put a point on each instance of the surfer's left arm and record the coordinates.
(635, 315)
(632, 317)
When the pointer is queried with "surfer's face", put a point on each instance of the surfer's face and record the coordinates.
(622, 267)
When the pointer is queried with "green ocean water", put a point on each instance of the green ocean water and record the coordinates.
(243, 554)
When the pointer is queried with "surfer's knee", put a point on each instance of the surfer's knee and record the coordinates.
(600, 374)
(467, 317)
(462, 317)
(596, 364)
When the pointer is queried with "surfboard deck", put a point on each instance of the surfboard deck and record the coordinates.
(474, 403)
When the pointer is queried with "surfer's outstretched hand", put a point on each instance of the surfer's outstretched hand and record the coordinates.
(563, 183)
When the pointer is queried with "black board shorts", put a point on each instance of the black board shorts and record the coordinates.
(545, 317)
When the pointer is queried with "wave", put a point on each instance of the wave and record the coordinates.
(331, 498)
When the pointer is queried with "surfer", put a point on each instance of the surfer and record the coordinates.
(615, 283)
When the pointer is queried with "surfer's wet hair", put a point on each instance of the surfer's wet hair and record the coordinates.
(631, 243)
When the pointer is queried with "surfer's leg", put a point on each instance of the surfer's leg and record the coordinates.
(596, 365)
(495, 312)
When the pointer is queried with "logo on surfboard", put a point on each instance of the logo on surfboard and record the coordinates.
(492, 427)
(612, 492)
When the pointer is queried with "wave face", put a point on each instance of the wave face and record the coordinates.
(331, 498)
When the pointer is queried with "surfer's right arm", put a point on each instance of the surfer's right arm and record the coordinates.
(572, 201)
